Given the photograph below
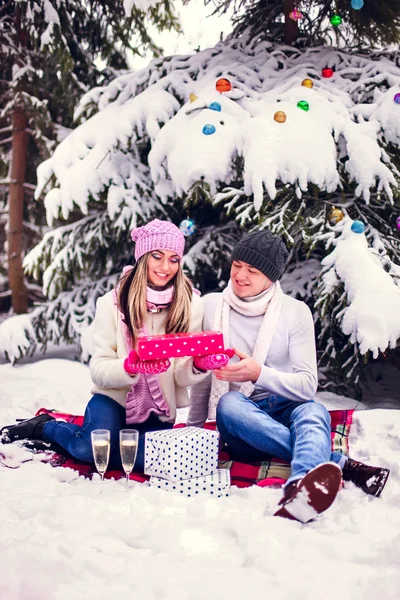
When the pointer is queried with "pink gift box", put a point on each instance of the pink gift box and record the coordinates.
(176, 345)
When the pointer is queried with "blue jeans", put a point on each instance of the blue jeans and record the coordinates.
(297, 432)
(102, 412)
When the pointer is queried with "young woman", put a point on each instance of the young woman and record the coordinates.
(152, 297)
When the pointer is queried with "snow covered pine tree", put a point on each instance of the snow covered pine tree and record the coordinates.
(49, 56)
(164, 135)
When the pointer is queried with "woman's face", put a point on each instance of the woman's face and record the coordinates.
(162, 266)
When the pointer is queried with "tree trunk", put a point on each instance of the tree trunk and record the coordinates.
(15, 211)
(291, 28)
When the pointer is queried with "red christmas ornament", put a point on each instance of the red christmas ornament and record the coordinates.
(327, 73)
(223, 85)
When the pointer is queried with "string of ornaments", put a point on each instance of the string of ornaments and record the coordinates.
(188, 226)
(336, 20)
(336, 215)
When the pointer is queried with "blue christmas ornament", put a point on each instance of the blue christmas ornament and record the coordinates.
(215, 106)
(357, 4)
(188, 227)
(358, 227)
(209, 129)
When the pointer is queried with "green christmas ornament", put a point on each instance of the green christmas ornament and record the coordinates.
(303, 104)
(336, 20)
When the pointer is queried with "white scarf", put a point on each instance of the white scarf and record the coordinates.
(269, 305)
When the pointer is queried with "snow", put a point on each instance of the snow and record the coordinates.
(67, 537)
(152, 105)
(144, 5)
(190, 156)
(15, 335)
(372, 316)
(51, 17)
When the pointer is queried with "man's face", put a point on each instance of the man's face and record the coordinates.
(247, 281)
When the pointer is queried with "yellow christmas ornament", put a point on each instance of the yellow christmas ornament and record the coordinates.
(307, 83)
(280, 116)
(192, 97)
(335, 215)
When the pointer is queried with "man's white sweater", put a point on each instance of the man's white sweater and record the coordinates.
(290, 369)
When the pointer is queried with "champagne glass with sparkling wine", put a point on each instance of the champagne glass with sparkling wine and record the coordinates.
(101, 450)
(128, 445)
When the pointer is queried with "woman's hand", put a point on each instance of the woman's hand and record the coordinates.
(210, 362)
(133, 365)
(247, 369)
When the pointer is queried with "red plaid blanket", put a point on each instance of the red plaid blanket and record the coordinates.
(263, 473)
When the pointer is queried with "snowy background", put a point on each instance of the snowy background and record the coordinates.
(63, 537)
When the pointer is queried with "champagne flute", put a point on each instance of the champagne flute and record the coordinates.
(101, 450)
(128, 445)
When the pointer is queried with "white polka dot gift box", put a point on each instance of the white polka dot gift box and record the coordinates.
(218, 484)
(175, 345)
(181, 453)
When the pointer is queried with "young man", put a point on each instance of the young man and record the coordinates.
(263, 400)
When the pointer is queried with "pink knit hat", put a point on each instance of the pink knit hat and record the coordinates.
(158, 235)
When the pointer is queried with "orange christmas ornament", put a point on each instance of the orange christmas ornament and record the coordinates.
(223, 85)
(307, 83)
(335, 215)
(280, 116)
(192, 97)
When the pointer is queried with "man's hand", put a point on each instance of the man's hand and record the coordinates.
(210, 362)
(247, 369)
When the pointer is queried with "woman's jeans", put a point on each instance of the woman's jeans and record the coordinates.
(297, 432)
(102, 412)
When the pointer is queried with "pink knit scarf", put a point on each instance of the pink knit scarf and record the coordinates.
(146, 396)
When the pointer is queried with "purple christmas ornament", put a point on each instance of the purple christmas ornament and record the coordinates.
(398, 223)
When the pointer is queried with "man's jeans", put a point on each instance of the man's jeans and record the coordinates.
(102, 412)
(297, 432)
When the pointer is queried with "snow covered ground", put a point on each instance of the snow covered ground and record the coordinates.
(65, 538)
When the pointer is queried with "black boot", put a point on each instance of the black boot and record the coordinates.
(30, 429)
(371, 480)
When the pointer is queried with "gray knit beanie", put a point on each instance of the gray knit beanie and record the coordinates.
(264, 251)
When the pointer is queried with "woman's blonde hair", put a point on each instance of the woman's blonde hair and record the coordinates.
(131, 294)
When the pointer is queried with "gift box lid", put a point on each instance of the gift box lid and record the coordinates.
(178, 433)
(182, 336)
(176, 345)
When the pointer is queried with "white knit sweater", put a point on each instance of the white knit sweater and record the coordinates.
(109, 352)
(290, 369)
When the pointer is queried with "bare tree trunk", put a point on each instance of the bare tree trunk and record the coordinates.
(291, 28)
(15, 211)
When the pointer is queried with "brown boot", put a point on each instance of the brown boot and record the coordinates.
(289, 491)
(371, 480)
(306, 498)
